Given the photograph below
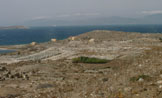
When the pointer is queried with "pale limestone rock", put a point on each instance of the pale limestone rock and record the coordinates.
(33, 43)
(159, 82)
(53, 40)
(141, 80)
(91, 40)
(72, 38)
(160, 86)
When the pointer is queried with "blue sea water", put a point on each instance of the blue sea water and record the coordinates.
(44, 34)
(6, 51)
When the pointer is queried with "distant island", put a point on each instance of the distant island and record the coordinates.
(96, 20)
(14, 27)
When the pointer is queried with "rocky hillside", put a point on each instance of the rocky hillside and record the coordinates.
(47, 70)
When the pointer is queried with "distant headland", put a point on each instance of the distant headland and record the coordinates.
(14, 27)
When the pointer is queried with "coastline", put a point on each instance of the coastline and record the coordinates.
(134, 64)
(4, 49)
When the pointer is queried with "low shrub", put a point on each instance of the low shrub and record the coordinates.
(160, 39)
(83, 59)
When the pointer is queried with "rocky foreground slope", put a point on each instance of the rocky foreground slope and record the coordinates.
(46, 70)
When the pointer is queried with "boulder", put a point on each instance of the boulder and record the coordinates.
(72, 38)
(91, 40)
(53, 40)
(33, 43)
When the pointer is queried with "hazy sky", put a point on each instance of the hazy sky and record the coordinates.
(15, 11)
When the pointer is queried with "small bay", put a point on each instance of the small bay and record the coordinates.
(6, 51)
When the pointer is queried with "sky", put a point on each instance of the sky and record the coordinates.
(17, 11)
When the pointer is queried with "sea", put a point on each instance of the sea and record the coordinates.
(44, 34)
(6, 51)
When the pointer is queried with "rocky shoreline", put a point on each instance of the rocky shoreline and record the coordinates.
(46, 70)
